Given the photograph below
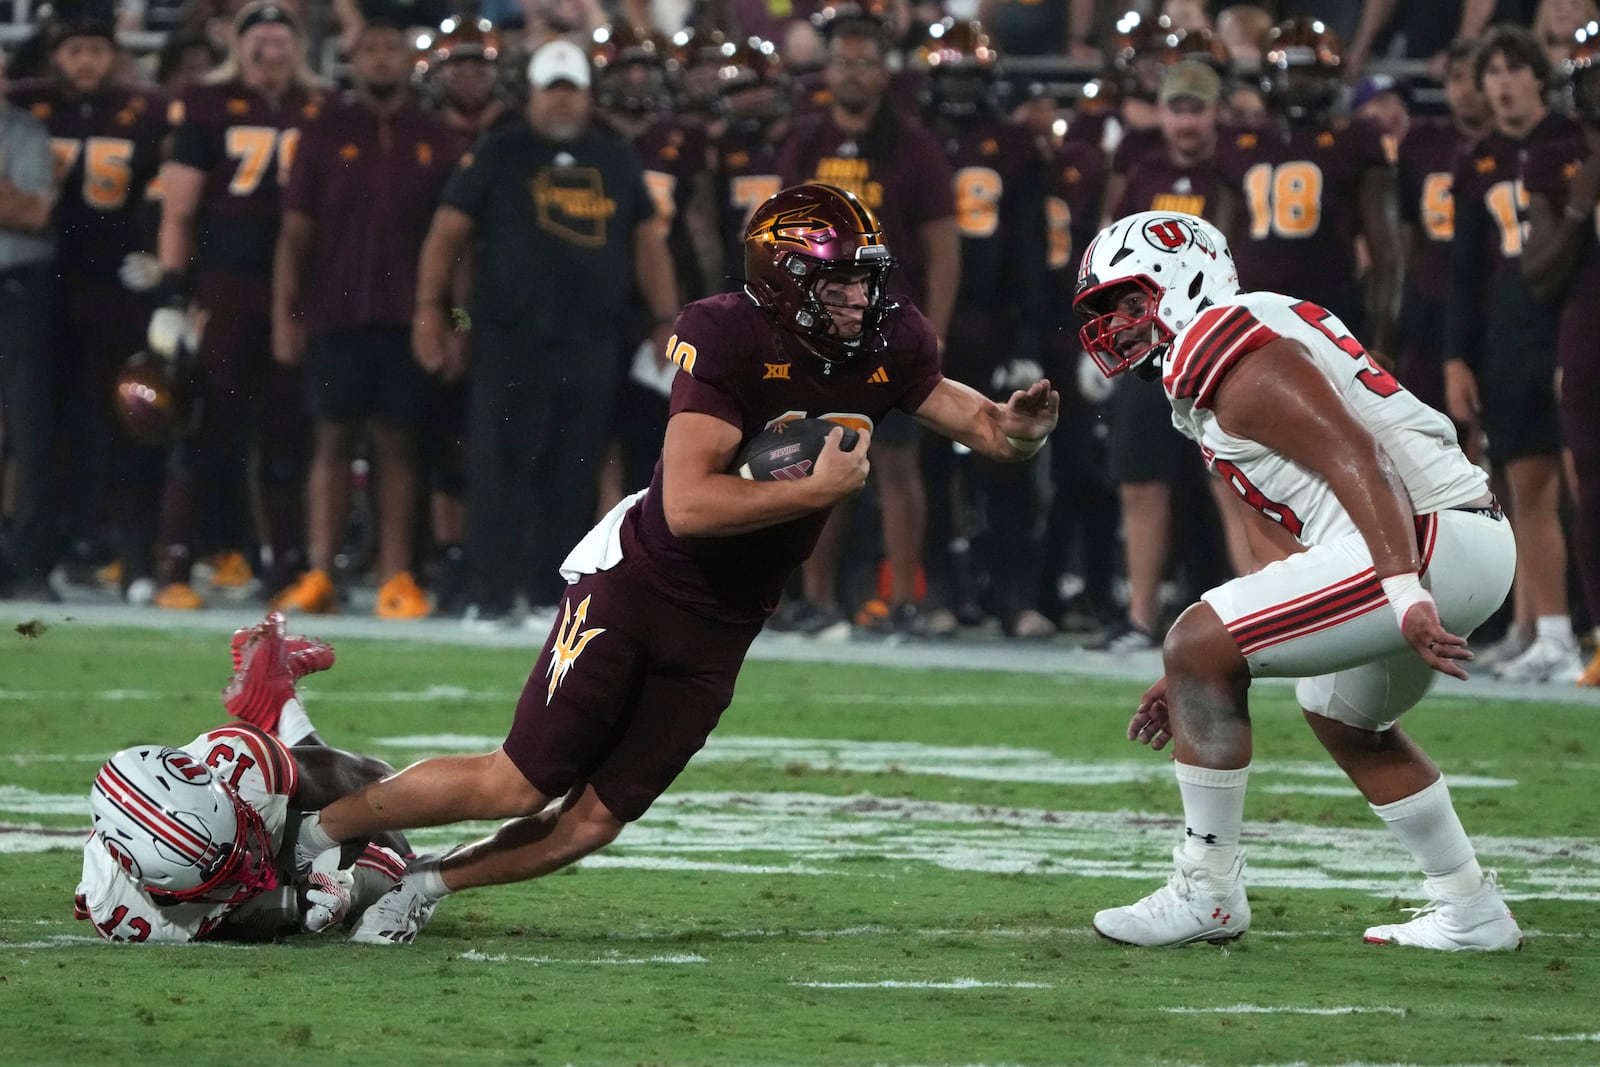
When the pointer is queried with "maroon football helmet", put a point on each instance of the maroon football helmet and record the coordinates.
(153, 405)
(1582, 68)
(810, 233)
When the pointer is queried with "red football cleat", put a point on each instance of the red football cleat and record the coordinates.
(307, 655)
(263, 681)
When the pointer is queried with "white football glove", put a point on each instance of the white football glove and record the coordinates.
(170, 329)
(140, 272)
(326, 893)
(1093, 385)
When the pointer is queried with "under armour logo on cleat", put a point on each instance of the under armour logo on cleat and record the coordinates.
(1209, 839)
(1221, 918)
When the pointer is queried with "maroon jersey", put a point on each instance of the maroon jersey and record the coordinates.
(998, 187)
(1074, 180)
(1301, 192)
(1155, 183)
(370, 185)
(1487, 290)
(245, 142)
(898, 169)
(107, 150)
(1136, 143)
(1550, 168)
(1427, 159)
(738, 367)
(745, 177)
(672, 153)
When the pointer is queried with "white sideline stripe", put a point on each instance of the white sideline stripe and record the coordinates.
(954, 983)
(623, 961)
(1257, 1009)
(1564, 1037)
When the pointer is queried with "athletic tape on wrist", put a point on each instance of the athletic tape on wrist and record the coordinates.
(1405, 592)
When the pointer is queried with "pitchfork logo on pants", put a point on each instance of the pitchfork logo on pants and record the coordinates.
(569, 643)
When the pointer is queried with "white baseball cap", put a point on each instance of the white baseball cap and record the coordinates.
(558, 61)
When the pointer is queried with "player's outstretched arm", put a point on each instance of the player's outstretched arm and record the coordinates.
(1007, 432)
(702, 499)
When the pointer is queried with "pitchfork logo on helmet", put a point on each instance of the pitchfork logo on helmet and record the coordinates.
(1143, 279)
(807, 234)
(178, 830)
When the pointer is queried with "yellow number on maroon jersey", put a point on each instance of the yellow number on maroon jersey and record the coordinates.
(749, 191)
(663, 187)
(977, 192)
(1507, 202)
(1058, 222)
(107, 168)
(1285, 199)
(253, 147)
(1438, 206)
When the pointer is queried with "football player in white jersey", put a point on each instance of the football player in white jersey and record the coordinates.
(1384, 545)
(198, 841)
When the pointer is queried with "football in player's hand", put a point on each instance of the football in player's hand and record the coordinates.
(787, 451)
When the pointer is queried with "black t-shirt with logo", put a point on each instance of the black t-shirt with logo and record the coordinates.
(555, 222)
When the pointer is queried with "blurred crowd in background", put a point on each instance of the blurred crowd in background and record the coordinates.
(352, 305)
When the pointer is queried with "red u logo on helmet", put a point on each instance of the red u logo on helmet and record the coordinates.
(1169, 233)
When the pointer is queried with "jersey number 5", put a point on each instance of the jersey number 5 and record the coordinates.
(1373, 376)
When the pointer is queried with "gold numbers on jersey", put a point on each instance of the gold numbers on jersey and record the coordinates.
(1058, 219)
(107, 168)
(749, 191)
(1285, 199)
(253, 149)
(978, 192)
(1507, 203)
(681, 353)
(1438, 206)
(663, 189)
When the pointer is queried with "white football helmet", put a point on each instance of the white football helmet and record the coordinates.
(1180, 262)
(178, 830)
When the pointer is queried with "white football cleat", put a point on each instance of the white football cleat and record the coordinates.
(394, 918)
(1482, 923)
(1192, 906)
(1547, 659)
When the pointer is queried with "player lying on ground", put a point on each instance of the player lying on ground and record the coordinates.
(199, 841)
(1388, 546)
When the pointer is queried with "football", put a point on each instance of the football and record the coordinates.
(786, 452)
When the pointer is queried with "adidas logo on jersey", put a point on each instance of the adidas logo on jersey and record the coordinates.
(879, 377)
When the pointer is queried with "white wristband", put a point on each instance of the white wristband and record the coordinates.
(1405, 592)
(1026, 445)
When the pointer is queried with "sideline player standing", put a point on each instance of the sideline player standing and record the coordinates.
(1387, 546)
(670, 589)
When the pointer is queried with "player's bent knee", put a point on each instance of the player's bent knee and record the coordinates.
(1198, 645)
(507, 790)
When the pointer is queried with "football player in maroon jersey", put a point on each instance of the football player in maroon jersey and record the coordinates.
(107, 144)
(236, 136)
(1562, 262)
(1297, 191)
(753, 111)
(994, 331)
(633, 98)
(668, 591)
(1428, 148)
(1500, 347)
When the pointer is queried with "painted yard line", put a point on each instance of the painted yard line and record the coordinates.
(1564, 1037)
(1257, 1009)
(624, 961)
(954, 983)
(864, 835)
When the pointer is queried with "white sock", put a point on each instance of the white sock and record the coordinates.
(1213, 815)
(294, 725)
(1554, 627)
(1427, 824)
(424, 873)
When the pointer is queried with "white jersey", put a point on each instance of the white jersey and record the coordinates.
(261, 770)
(1419, 441)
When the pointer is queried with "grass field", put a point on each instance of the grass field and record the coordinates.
(866, 866)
